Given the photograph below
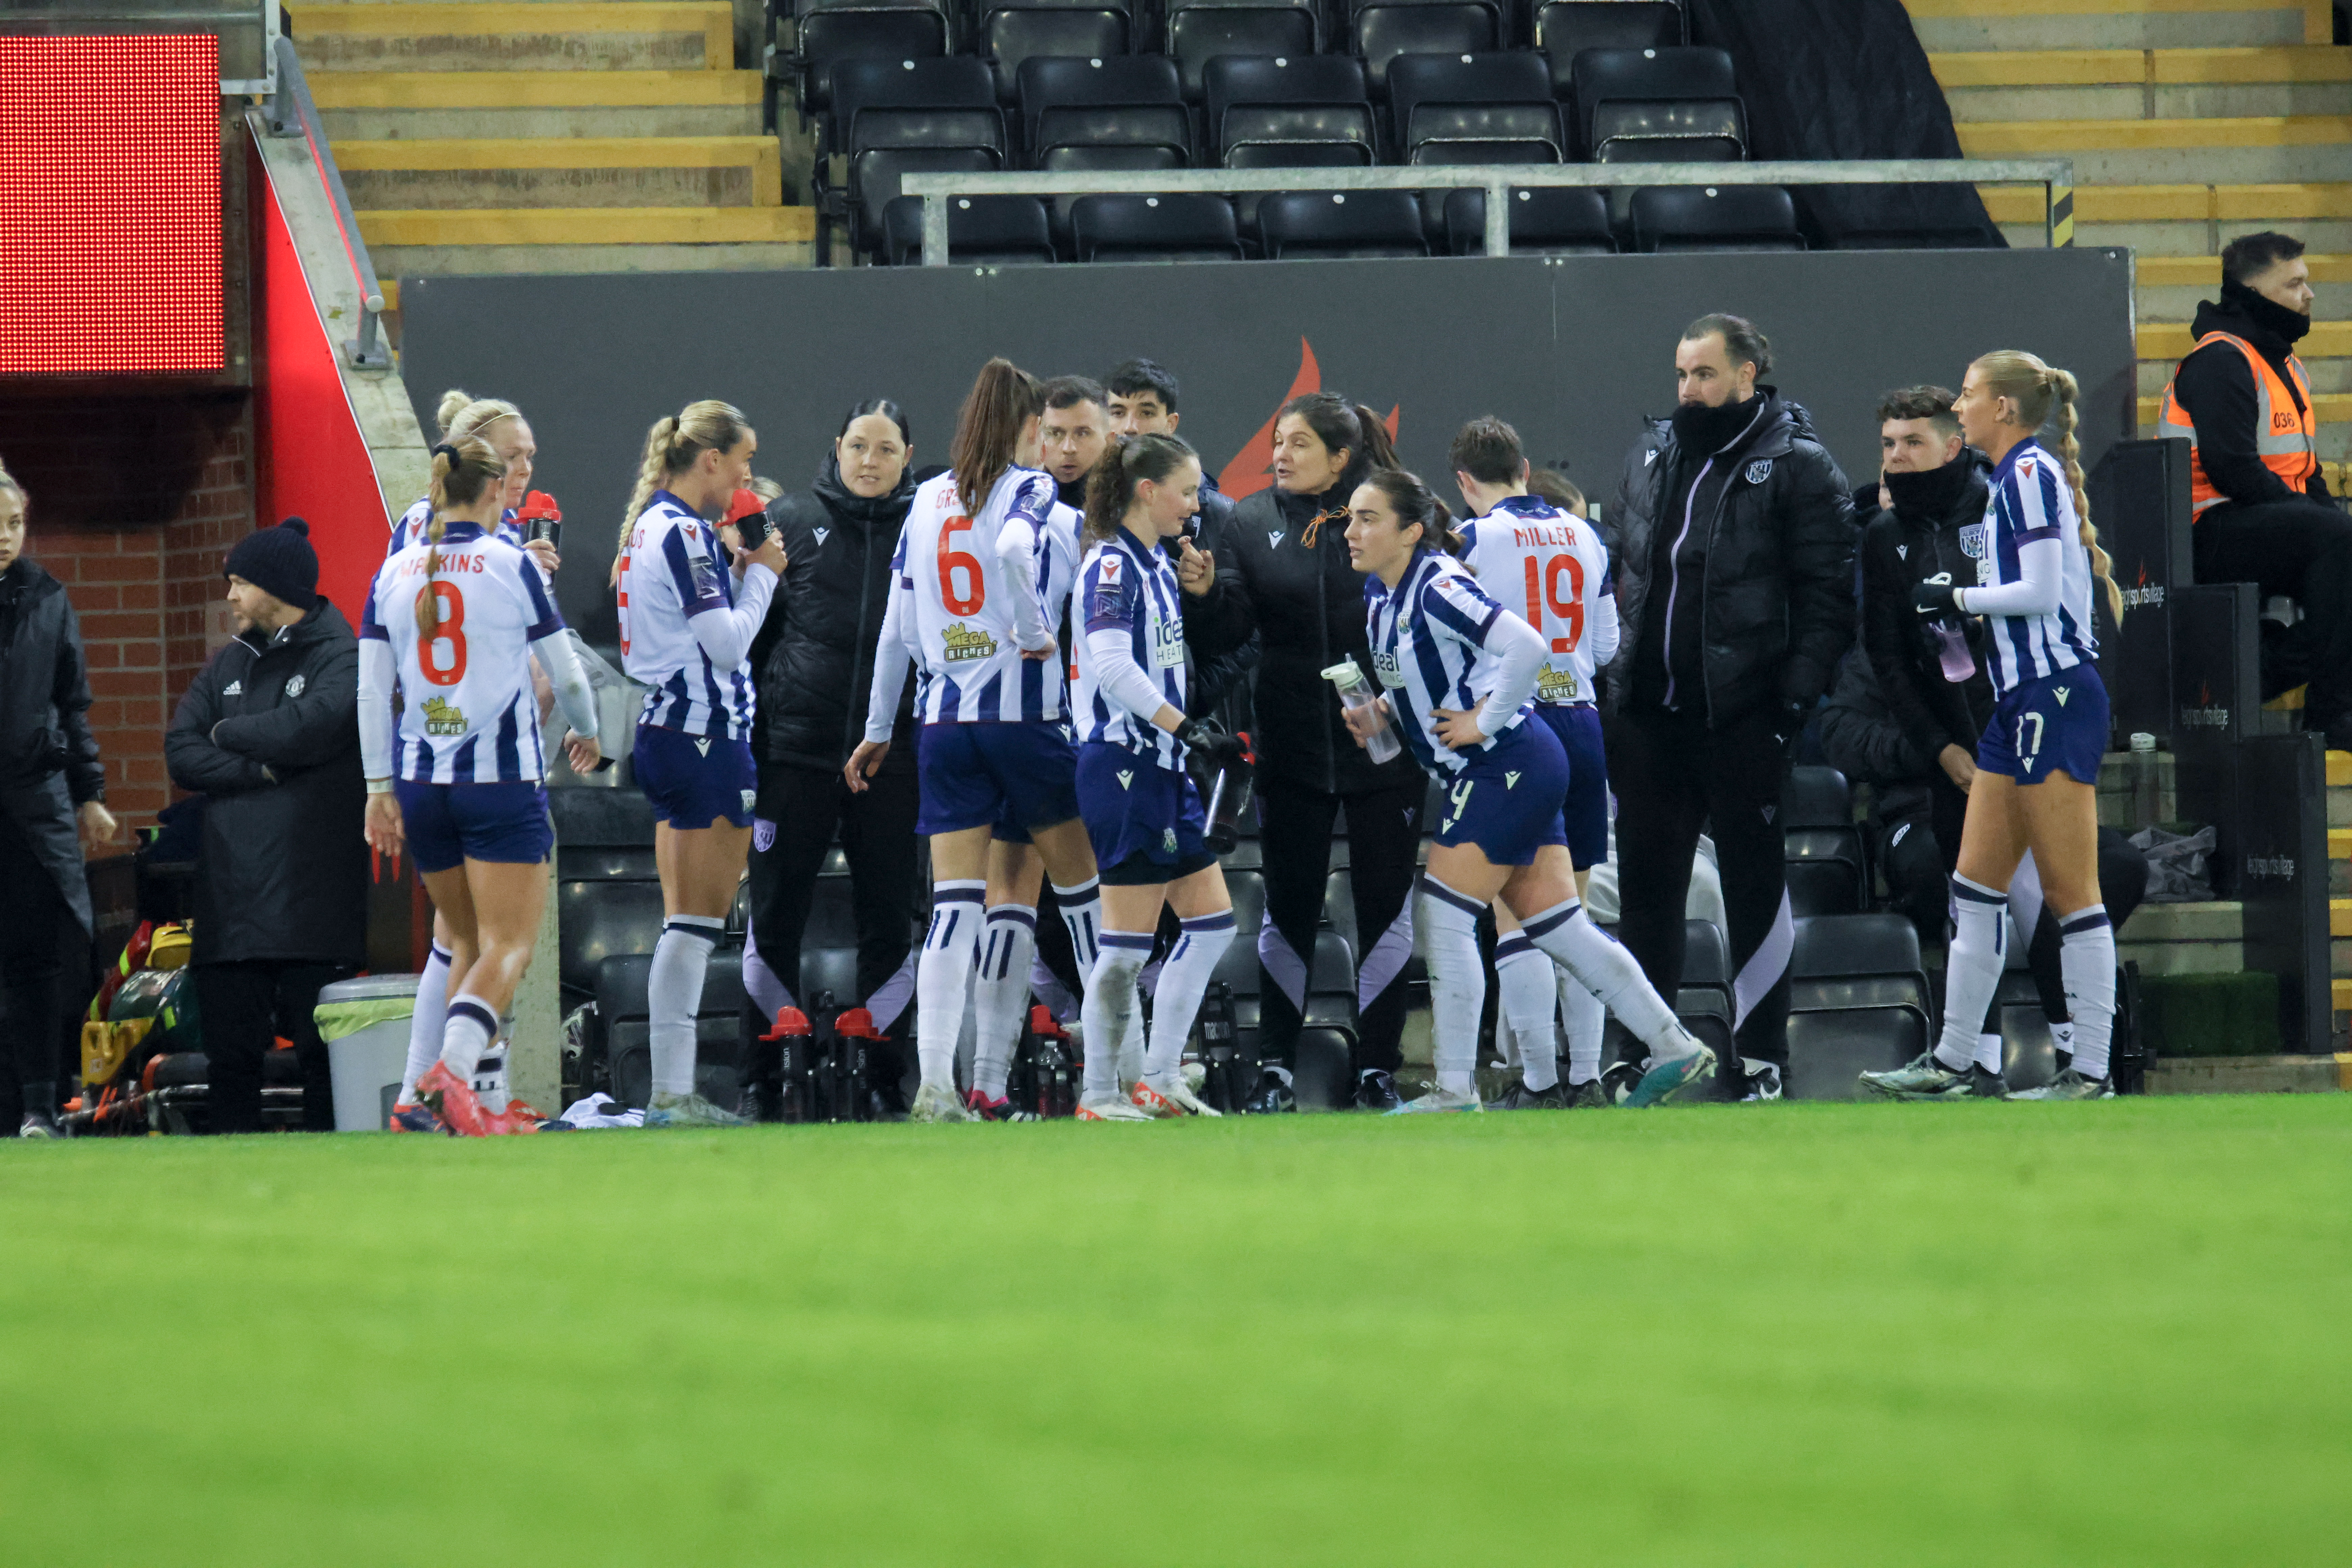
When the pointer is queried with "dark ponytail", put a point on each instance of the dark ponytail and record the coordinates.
(1126, 463)
(1413, 503)
(1342, 426)
(1002, 399)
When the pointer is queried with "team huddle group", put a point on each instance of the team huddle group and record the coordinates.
(1084, 765)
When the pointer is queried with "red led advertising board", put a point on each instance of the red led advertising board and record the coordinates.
(109, 205)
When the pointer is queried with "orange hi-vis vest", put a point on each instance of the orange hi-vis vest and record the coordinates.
(2286, 435)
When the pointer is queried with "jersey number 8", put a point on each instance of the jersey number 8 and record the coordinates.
(1570, 609)
(450, 629)
(952, 560)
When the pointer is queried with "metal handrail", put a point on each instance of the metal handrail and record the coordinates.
(2055, 175)
(293, 112)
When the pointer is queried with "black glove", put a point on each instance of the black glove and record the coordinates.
(1933, 596)
(1205, 738)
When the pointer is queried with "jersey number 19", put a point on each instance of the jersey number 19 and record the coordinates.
(1543, 583)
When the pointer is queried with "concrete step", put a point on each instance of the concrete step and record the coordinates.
(1959, 24)
(2144, 84)
(2206, 938)
(650, 235)
(2251, 1075)
(564, 172)
(430, 261)
(459, 105)
(2232, 204)
(670, 35)
(2329, 378)
(2170, 341)
(2247, 150)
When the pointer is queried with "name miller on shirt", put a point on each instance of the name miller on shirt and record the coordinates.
(1532, 535)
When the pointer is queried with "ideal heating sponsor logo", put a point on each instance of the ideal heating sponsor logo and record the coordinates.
(2282, 867)
(2143, 594)
(2206, 715)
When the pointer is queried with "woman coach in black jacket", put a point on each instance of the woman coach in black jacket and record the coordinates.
(811, 665)
(52, 805)
(1287, 579)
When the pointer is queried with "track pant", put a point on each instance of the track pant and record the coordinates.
(2303, 549)
(246, 1007)
(1294, 837)
(799, 810)
(33, 913)
(1673, 775)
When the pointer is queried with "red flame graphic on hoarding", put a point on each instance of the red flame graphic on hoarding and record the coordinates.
(1252, 468)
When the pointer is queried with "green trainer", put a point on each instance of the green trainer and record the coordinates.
(688, 1110)
(1438, 1100)
(1924, 1077)
(2069, 1085)
(1669, 1079)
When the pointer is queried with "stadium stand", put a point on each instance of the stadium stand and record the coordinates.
(1828, 872)
(1859, 1001)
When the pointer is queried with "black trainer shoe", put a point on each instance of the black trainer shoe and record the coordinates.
(1376, 1091)
(1763, 1081)
(1272, 1094)
(1620, 1079)
(1589, 1095)
(1519, 1097)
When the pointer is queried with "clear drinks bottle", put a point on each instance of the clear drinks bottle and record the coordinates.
(1348, 678)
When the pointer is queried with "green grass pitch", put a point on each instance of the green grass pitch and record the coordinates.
(1807, 1334)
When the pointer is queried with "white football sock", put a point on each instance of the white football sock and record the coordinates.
(1081, 910)
(1604, 968)
(1110, 1003)
(674, 997)
(943, 977)
(1971, 968)
(1527, 994)
(426, 1025)
(2062, 1034)
(1457, 982)
(1585, 1022)
(1988, 1053)
(2086, 960)
(1007, 943)
(472, 1025)
(1183, 981)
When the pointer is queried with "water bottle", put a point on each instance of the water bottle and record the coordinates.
(1355, 691)
(1217, 1034)
(2147, 784)
(1952, 650)
(792, 1035)
(1224, 787)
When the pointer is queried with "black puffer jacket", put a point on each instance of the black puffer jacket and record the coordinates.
(1777, 607)
(1900, 549)
(1306, 605)
(48, 759)
(812, 662)
(270, 732)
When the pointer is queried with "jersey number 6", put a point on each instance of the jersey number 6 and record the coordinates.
(451, 629)
(952, 560)
(1569, 610)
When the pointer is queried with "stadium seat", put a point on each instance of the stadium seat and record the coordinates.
(1125, 104)
(1381, 31)
(1464, 108)
(1858, 1002)
(608, 891)
(1566, 29)
(899, 118)
(622, 1017)
(1656, 105)
(1200, 31)
(1086, 29)
(1828, 871)
(1712, 217)
(1293, 224)
(1546, 220)
(981, 229)
(1704, 1002)
(1279, 111)
(832, 31)
(1153, 229)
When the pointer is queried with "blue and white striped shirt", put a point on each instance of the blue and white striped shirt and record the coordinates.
(2033, 574)
(674, 569)
(1430, 642)
(1131, 648)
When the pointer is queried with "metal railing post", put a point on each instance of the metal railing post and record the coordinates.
(935, 230)
(1499, 218)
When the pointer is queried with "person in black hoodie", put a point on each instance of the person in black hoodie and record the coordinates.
(52, 811)
(811, 665)
(2242, 401)
(1733, 556)
(270, 733)
(1286, 579)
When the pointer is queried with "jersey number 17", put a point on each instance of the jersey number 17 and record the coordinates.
(1543, 584)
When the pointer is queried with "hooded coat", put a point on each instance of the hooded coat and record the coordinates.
(1900, 549)
(48, 759)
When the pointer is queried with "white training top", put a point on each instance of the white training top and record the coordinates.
(468, 713)
(1131, 650)
(964, 601)
(1528, 547)
(686, 629)
(2033, 573)
(1438, 641)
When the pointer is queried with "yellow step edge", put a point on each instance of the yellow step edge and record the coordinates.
(2205, 271)
(2340, 998)
(714, 19)
(2339, 917)
(390, 289)
(2136, 67)
(2318, 26)
(2339, 769)
(591, 226)
(2339, 844)
(761, 154)
(536, 89)
(2172, 340)
(2176, 204)
(2329, 407)
(2043, 138)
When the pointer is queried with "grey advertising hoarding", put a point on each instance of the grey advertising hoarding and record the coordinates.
(1574, 351)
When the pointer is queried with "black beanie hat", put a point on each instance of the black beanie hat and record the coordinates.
(280, 561)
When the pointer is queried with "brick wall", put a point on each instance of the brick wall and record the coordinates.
(134, 503)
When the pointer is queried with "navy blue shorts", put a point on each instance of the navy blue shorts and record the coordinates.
(1146, 822)
(695, 780)
(447, 825)
(1020, 772)
(1507, 801)
(1586, 810)
(2052, 722)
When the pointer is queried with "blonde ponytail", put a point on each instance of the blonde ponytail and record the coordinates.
(463, 414)
(462, 471)
(2035, 388)
(671, 446)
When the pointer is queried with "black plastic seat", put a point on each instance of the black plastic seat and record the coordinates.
(1566, 29)
(1712, 217)
(1470, 103)
(1858, 1002)
(1546, 220)
(1200, 31)
(1827, 868)
(890, 145)
(1153, 229)
(1122, 100)
(832, 31)
(1086, 30)
(1292, 223)
(622, 1014)
(1379, 32)
(1658, 105)
(980, 229)
(1281, 111)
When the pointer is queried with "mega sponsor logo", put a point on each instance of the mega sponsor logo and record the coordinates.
(961, 643)
(440, 718)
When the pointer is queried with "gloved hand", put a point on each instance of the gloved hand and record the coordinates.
(1933, 596)
(1206, 738)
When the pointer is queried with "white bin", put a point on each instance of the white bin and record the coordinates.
(366, 1061)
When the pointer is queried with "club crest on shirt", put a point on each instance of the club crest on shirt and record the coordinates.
(750, 796)
(961, 643)
(440, 718)
(763, 835)
(1167, 840)
(1759, 470)
(294, 684)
